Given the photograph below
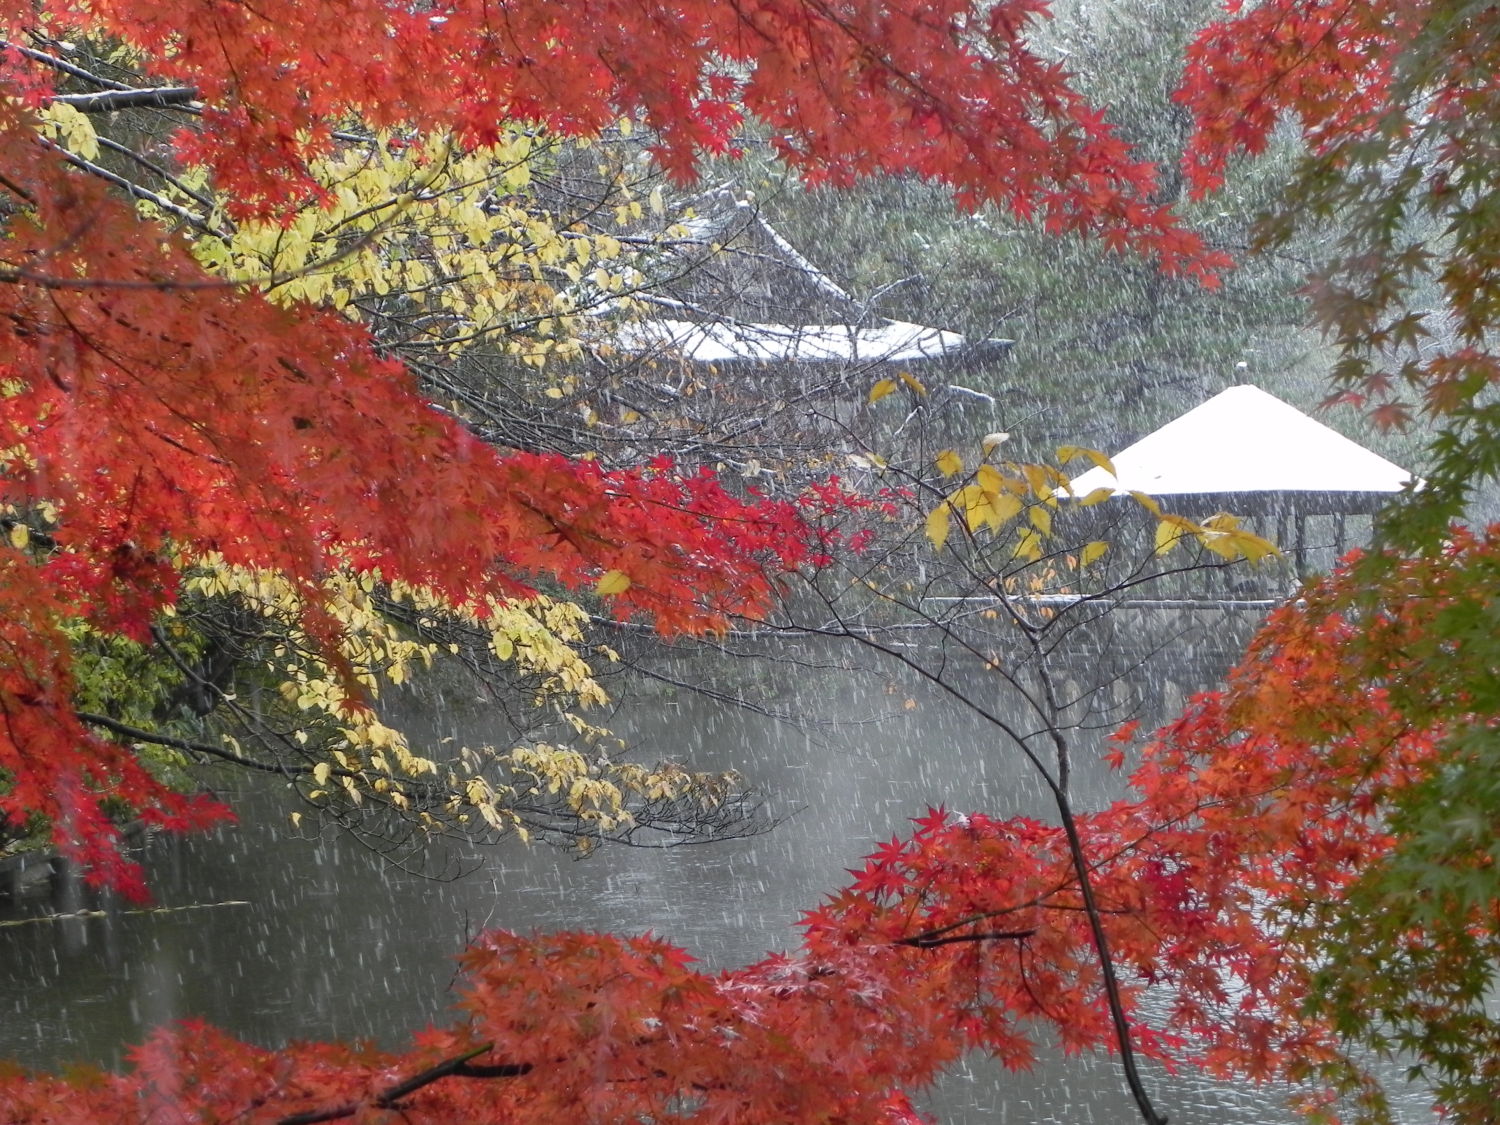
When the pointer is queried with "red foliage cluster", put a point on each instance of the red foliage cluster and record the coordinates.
(161, 413)
(968, 935)
(165, 413)
(941, 89)
(1327, 64)
(1394, 99)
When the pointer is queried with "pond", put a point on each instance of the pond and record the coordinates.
(275, 937)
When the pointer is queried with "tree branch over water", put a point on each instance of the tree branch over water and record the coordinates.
(457, 1067)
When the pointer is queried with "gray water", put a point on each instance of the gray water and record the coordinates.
(332, 942)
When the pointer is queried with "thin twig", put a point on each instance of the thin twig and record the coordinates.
(132, 188)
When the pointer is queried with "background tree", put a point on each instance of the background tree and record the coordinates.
(1107, 348)
(1396, 105)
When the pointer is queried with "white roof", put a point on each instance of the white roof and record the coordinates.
(1245, 440)
(895, 341)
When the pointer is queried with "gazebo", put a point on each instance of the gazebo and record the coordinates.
(1246, 451)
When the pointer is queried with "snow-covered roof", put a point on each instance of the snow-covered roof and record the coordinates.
(730, 341)
(1245, 440)
(743, 294)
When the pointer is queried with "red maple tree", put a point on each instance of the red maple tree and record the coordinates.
(163, 413)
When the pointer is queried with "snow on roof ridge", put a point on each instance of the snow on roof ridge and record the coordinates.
(818, 277)
(701, 226)
(726, 341)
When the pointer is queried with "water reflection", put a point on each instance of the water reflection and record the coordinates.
(318, 938)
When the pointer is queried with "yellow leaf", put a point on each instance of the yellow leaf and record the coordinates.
(613, 582)
(1095, 497)
(913, 382)
(949, 463)
(1101, 460)
(1146, 502)
(1041, 519)
(975, 505)
(20, 535)
(553, 392)
(1236, 543)
(937, 525)
(1222, 521)
(1254, 547)
(1167, 535)
(1028, 545)
(1005, 508)
(1093, 552)
(321, 772)
(1036, 477)
(881, 389)
(994, 441)
(1066, 453)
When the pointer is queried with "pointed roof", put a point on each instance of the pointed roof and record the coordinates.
(1241, 441)
(737, 292)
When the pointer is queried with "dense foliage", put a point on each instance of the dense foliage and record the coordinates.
(1306, 858)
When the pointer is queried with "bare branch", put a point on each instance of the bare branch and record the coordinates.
(131, 188)
(62, 65)
(922, 942)
(456, 1067)
(109, 101)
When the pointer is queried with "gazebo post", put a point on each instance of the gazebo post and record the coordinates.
(1299, 522)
